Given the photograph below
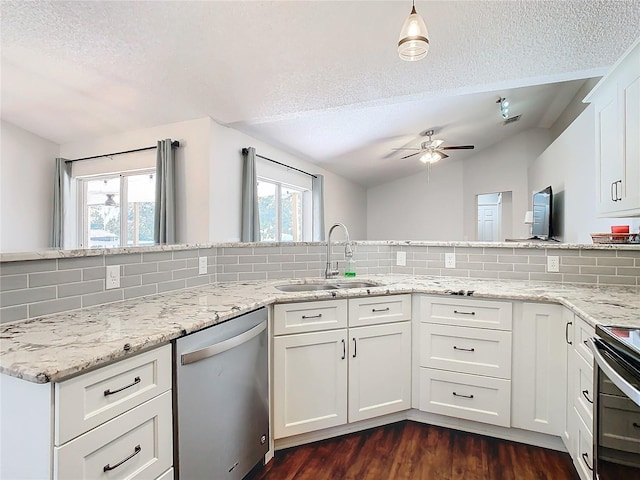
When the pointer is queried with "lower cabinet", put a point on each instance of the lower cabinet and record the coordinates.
(327, 378)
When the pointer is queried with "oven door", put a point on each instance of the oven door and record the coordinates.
(616, 413)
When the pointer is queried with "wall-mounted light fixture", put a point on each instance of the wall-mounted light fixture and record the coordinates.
(413, 43)
(504, 107)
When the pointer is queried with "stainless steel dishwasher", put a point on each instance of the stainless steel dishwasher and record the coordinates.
(222, 420)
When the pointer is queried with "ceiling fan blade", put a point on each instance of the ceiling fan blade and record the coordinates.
(459, 147)
(412, 155)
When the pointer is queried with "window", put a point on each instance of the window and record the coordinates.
(281, 210)
(116, 210)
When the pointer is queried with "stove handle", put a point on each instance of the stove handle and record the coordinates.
(619, 381)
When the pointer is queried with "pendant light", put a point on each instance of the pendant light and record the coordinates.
(413, 43)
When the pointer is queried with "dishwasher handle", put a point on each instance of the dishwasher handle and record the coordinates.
(217, 348)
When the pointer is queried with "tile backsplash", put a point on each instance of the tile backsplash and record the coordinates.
(33, 288)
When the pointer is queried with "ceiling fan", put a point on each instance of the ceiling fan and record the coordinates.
(432, 151)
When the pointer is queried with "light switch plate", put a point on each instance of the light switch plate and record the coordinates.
(401, 259)
(449, 260)
(553, 263)
(202, 265)
(113, 277)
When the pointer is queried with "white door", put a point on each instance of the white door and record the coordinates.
(539, 376)
(379, 370)
(309, 382)
(488, 223)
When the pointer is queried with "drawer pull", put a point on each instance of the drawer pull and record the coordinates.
(355, 348)
(304, 317)
(136, 451)
(344, 349)
(464, 313)
(464, 349)
(460, 395)
(566, 333)
(584, 394)
(636, 425)
(380, 310)
(585, 457)
(108, 392)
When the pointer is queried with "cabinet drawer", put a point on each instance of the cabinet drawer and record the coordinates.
(376, 310)
(137, 444)
(466, 350)
(583, 460)
(86, 401)
(582, 332)
(467, 313)
(583, 390)
(309, 316)
(472, 397)
(168, 475)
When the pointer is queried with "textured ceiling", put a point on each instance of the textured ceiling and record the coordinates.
(320, 79)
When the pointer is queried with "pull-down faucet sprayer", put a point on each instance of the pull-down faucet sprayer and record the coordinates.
(331, 271)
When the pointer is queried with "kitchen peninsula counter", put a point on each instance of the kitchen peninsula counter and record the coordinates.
(54, 347)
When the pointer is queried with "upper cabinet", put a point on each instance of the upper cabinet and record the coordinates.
(616, 99)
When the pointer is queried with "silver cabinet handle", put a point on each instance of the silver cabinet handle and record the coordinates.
(460, 395)
(344, 349)
(584, 394)
(380, 310)
(585, 457)
(304, 317)
(210, 351)
(566, 333)
(355, 347)
(136, 451)
(464, 313)
(464, 349)
(108, 391)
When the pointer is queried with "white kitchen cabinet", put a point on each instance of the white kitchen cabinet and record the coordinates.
(616, 100)
(309, 382)
(325, 378)
(539, 369)
(379, 370)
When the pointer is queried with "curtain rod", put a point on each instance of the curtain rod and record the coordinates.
(174, 144)
(246, 150)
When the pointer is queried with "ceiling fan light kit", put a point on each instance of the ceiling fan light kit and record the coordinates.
(504, 107)
(413, 43)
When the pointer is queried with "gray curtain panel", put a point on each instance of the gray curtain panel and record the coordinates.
(250, 213)
(317, 200)
(164, 231)
(61, 199)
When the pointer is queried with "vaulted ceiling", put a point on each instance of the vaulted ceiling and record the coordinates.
(319, 79)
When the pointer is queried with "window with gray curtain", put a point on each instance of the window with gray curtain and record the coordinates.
(165, 208)
(250, 213)
(317, 195)
(61, 201)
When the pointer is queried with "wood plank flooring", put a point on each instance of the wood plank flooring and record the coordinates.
(413, 451)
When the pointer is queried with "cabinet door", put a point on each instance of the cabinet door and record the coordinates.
(309, 382)
(609, 168)
(570, 425)
(630, 100)
(379, 370)
(539, 369)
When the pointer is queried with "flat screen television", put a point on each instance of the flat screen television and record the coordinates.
(542, 212)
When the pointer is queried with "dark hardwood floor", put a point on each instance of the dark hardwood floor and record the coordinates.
(413, 451)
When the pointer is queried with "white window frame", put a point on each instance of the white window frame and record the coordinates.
(83, 208)
(305, 198)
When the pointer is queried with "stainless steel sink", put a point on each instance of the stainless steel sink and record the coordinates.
(310, 287)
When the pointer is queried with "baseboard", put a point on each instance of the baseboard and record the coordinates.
(513, 434)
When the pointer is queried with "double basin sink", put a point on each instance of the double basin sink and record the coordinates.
(328, 285)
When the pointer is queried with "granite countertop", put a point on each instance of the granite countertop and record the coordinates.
(52, 348)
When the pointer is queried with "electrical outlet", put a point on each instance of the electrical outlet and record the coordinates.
(401, 259)
(113, 277)
(553, 263)
(449, 260)
(202, 265)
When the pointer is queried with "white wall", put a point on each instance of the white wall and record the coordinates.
(192, 168)
(418, 207)
(344, 201)
(445, 207)
(503, 168)
(26, 189)
(569, 166)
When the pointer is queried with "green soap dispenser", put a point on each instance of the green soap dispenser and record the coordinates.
(350, 267)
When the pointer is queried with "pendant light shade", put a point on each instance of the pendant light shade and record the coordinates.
(413, 43)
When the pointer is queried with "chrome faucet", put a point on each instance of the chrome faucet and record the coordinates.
(331, 271)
